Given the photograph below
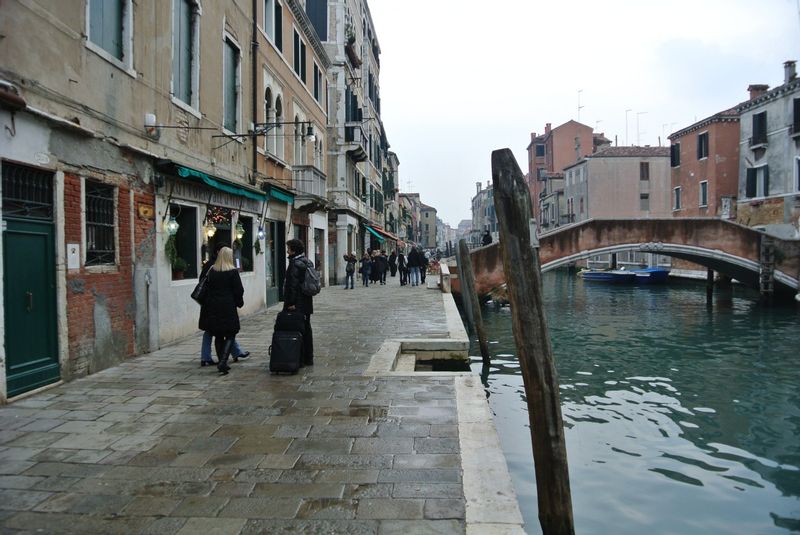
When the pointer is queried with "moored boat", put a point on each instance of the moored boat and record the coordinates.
(650, 275)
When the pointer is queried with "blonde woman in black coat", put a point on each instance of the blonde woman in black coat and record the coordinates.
(218, 315)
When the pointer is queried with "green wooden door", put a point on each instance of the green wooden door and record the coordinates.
(29, 288)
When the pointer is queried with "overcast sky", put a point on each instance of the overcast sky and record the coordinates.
(460, 78)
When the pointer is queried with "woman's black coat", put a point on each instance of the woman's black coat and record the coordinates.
(224, 295)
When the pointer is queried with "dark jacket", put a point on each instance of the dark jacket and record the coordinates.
(392, 259)
(401, 262)
(224, 295)
(292, 292)
(381, 264)
(415, 259)
(366, 266)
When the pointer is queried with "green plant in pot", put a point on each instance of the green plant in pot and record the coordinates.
(178, 267)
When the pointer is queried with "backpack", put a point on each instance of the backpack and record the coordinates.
(351, 266)
(311, 284)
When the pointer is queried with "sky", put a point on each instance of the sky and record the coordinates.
(461, 78)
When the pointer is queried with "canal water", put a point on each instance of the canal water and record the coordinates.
(680, 419)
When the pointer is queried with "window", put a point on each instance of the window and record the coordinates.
(540, 151)
(676, 196)
(100, 216)
(796, 117)
(644, 170)
(299, 57)
(186, 237)
(273, 22)
(230, 89)
(185, 73)
(244, 251)
(704, 193)
(759, 129)
(675, 155)
(317, 83)
(757, 182)
(797, 175)
(644, 202)
(299, 142)
(702, 145)
(109, 29)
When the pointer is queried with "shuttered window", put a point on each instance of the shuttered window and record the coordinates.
(182, 49)
(675, 155)
(231, 86)
(106, 25)
(676, 204)
(279, 26)
(703, 201)
(759, 128)
(796, 117)
(317, 83)
(99, 199)
(702, 146)
(757, 182)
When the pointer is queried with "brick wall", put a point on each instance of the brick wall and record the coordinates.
(101, 304)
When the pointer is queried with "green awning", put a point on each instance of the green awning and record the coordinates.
(275, 193)
(381, 239)
(217, 183)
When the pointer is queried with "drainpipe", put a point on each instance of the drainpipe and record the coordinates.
(254, 81)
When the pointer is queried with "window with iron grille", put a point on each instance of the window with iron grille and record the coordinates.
(27, 192)
(100, 228)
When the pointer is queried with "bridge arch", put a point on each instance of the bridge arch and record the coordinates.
(726, 247)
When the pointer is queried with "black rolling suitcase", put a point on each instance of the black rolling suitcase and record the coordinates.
(290, 321)
(286, 352)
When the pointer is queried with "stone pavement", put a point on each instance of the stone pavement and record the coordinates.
(160, 445)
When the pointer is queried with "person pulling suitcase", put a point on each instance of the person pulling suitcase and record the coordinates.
(295, 297)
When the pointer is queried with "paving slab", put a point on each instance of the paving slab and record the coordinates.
(158, 444)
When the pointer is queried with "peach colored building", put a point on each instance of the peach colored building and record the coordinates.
(704, 161)
(549, 154)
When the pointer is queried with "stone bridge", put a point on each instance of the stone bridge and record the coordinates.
(748, 255)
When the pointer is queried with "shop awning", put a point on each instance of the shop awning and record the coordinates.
(228, 186)
(372, 231)
(385, 233)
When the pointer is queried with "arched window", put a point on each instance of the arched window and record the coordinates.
(299, 142)
(279, 140)
(269, 117)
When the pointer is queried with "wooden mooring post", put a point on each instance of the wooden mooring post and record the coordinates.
(523, 278)
(469, 296)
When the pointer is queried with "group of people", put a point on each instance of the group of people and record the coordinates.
(224, 294)
(374, 266)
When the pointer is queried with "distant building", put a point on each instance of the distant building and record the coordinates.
(769, 155)
(704, 161)
(427, 226)
(549, 154)
(619, 182)
(483, 214)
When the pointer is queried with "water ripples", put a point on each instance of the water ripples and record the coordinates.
(678, 420)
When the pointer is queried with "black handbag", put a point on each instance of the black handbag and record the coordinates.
(200, 291)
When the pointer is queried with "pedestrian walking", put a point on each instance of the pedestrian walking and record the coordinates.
(366, 269)
(393, 263)
(403, 268)
(423, 269)
(205, 347)
(218, 314)
(293, 296)
(349, 269)
(414, 263)
(383, 267)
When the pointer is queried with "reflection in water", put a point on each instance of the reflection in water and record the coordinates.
(679, 419)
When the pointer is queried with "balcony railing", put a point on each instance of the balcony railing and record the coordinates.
(794, 130)
(355, 141)
(758, 142)
(310, 180)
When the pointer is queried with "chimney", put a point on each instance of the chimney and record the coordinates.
(756, 90)
(547, 128)
(789, 71)
(478, 185)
